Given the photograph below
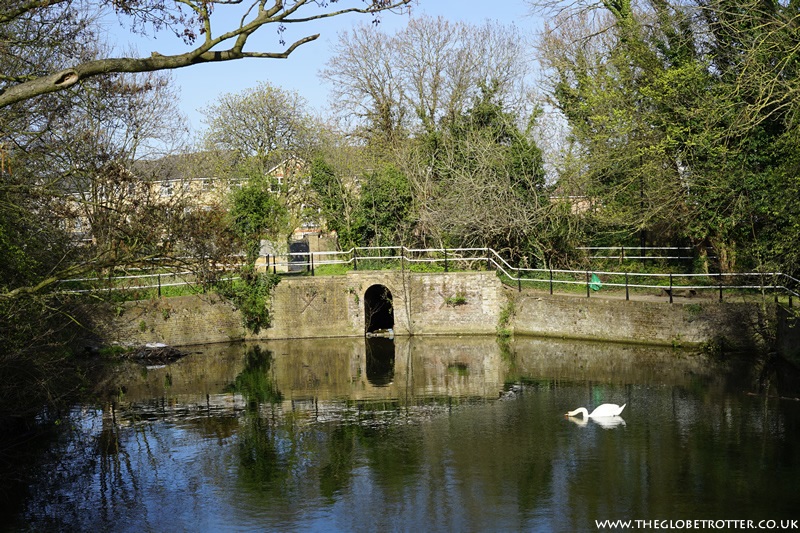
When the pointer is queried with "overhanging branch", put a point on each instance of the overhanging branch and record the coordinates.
(204, 53)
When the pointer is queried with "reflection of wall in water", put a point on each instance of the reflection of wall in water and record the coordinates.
(608, 362)
(469, 366)
(325, 369)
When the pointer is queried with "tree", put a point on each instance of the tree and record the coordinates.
(480, 181)
(335, 176)
(74, 157)
(269, 135)
(393, 85)
(266, 124)
(257, 214)
(683, 114)
(336, 201)
(194, 21)
(384, 215)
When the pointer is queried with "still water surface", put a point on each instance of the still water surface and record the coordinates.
(455, 434)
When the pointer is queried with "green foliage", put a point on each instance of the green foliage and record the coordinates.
(332, 270)
(504, 320)
(480, 179)
(384, 213)
(517, 156)
(256, 213)
(254, 382)
(333, 197)
(456, 300)
(251, 294)
(686, 125)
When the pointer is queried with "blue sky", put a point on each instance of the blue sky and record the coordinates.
(203, 84)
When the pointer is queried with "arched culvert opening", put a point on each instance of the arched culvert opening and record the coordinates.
(378, 311)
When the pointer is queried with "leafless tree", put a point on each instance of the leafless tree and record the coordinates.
(426, 73)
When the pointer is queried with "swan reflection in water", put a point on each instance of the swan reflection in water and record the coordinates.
(606, 422)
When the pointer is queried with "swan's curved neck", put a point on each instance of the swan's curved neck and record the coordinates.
(578, 411)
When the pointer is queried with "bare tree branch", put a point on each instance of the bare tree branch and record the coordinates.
(237, 38)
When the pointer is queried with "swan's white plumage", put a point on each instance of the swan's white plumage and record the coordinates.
(604, 410)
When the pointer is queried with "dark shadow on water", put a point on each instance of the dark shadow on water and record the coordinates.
(380, 361)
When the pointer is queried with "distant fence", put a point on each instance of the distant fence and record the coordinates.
(447, 259)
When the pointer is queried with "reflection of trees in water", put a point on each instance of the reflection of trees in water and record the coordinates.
(255, 382)
(267, 449)
(336, 470)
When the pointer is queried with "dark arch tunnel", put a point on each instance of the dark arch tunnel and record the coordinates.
(378, 309)
(378, 320)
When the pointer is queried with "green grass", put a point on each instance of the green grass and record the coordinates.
(333, 270)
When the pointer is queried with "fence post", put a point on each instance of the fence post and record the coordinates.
(159, 285)
(519, 281)
(445, 261)
(311, 254)
(670, 287)
(551, 281)
(274, 264)
(587, 283)
(627, 294)
(355, 259)
(720, 285)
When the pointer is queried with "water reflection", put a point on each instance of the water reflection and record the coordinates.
(380, 360)
(405, 368)
(308, 435)
(610, 422)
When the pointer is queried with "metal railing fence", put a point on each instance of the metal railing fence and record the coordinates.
(454, 259)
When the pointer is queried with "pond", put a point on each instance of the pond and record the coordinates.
(434, 434)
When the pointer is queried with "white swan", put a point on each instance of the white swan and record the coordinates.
(604, 410)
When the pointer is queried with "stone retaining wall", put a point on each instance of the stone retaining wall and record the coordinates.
(683, 323)
(439, 304)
